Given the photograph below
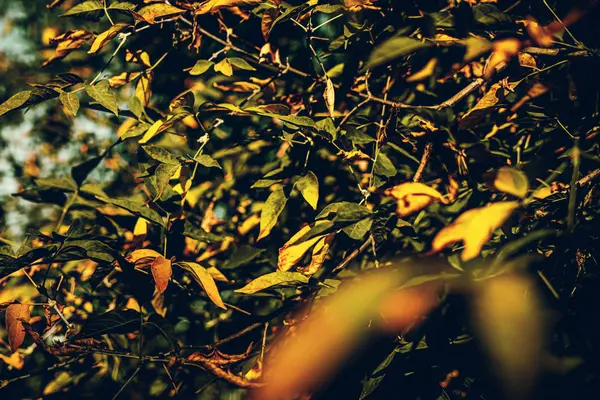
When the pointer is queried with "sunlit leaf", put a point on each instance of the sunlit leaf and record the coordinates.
(511, 181)
(392, 49)
(205, 279)
(106, 36)
(413, 197)
(14, 326)
(308, 185)
(103, 94)
(152, 12)
(272, 279)
(271, 210)
(70, 102)
(161, 272)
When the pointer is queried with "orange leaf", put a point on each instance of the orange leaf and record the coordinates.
(413, 197)
(161, 271)
(16, 333)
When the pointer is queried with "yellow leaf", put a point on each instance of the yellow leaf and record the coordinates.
(205, 279)
(132, 304)
(424, 72)
(106, 37)
(308, 185)
(527, 60)
(215, 5)
(329, 96)
(270, 212)
(511, 181)
(158, 10)
(474, 228)
(319, 253)
(15, 360)
(140, 254)
(291, 253)
(151, 132)
(14, 327)
(161, 272)
(224, 67)
(140, 228)
(413, 197)
(142, 89)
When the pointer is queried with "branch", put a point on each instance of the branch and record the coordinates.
(423, 163)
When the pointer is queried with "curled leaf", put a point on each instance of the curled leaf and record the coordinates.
(474, 228)
(329, 96)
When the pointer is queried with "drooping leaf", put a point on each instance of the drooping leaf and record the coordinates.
(294, 249)
(14, 326)
(196, 233)
(15, 102)
(272, 279)
(135, 208)
(106, 36)
(329, 96)
(308, 185)
(345, 212)
(103, 94)
(207, 161)
(384, 166)
(204, 279)
(511, 181)
(81, 171)
(271, 210)
(161, 272)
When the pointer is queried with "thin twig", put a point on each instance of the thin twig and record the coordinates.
(353, 255)
(423, 163)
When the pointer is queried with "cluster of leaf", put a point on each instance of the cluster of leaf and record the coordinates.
(265, 154)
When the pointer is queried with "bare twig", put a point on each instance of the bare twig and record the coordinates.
(353, 255)
(423, 163)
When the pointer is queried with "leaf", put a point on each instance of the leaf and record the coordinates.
(103, 94)
(392, 49)
(163, 174)
(215, 5)
(207, 161)
(308, 185)
(482, 108)
(200, 234)
(15, 102)
(224, 67)
(474, 227)
(160, 154)
(106, 37)
(65, 183)
(201, 67)
(70, 102)
(151, 12)
(161, 272)
(359, 229)
(511, 181)
(81, 171)
(268, 18)
(413, 197)
(345, 212)
(384, 166)
(272, 279)
(14, 326)
(242, 256)
(319, 253)
(241, 63)
(142, 254)
(89, 8)
(135, 208)
(329, 96)
(110, 322)
(205, 279)
(271, 210)
(294, 249)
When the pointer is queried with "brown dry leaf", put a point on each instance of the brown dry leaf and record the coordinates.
(359, 5)
(14, 326)
(161, 272)
(106, 37)
(14, 360)
(215, 5)
(474, 228)
(122, 79)
(66, 43)
(413, 197)
(526, 60)
(268, 18)
(492, 97)
(329, 96)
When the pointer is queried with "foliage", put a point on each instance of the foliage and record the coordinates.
(416, 180)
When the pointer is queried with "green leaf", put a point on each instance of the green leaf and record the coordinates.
(81, 171)
(359, 229)
(103, 94)
(151, 12)
(207, 161)
(204, 279)
(308, 185)
(512, 181)
(70, 102)
(242, 256)
(160, 154)
(115, 321)
(201, 67)
(122, 5)
(264, 183)
(163, 174)
(88, 9)
(135, 208)
(241, 64)
(392, 49)
(273, 279)
(345, 212)
(271, 210)
(15, 102)
(191, 231)
(93, 249)
(384, 166)
(66, 183)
